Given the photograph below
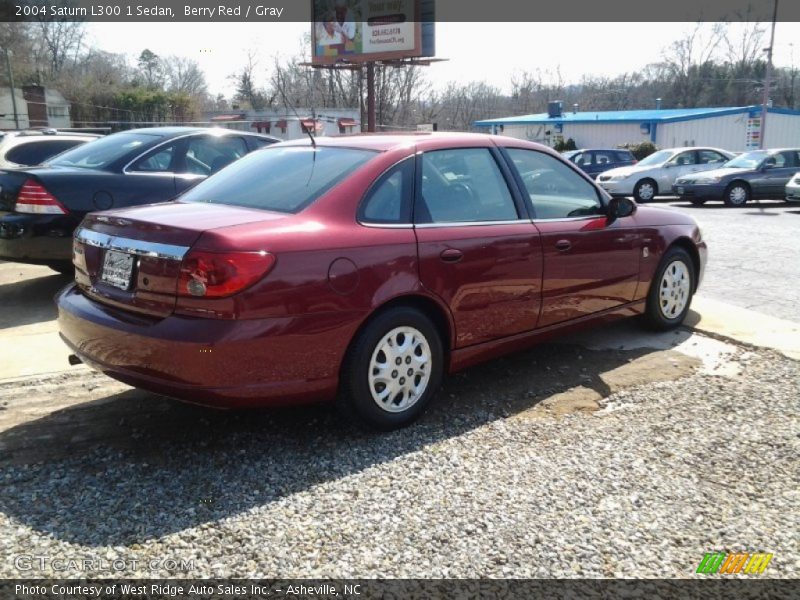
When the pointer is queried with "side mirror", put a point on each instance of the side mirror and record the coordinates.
(620, 207)
(767, 167)
(669, 165)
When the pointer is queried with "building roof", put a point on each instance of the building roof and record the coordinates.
(663, 115)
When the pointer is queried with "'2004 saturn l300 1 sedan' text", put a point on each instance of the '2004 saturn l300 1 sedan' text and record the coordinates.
(362, 269)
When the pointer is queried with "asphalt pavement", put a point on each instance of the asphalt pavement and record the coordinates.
(753, 254)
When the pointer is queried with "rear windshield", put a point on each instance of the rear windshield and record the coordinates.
(103, 152)
(281, 179)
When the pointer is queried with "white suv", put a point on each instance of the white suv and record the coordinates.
(29, 148)
(654, 175)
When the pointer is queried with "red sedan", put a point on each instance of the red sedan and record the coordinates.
(362, 269)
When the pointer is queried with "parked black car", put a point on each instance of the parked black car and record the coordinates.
(596, 161)
(754, 175)
(41, 206)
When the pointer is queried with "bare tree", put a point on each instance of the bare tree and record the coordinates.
(184, 75)
(246, 89)
(60, 41)
(151, 69)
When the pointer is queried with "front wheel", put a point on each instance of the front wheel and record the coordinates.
(671, 290)
(645, 190)
(737, 194)
(392, 370)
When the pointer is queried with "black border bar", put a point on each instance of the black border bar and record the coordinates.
(484, 11)
(712, 588)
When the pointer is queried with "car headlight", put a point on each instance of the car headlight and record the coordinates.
(619, 177)
(708, 180)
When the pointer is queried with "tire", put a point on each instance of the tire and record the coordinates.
(671, 290)
(645, 190)
(737, 194)
(697, 202)
(362, 393)
(65, 268)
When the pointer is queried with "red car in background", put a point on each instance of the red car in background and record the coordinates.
(362, 269)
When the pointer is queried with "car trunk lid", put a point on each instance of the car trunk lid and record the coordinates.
(132, 258)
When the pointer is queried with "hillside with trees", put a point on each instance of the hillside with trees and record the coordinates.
(707, 67)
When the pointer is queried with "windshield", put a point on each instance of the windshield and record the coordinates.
(656, 158)
(103, 152)
(280, 179)
(750, 160)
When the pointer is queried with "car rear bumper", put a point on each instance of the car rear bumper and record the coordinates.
(214, 362)
(696, 191)
(35, 239)
(793, 193)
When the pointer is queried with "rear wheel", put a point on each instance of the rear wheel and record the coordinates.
(392, 370)
(737, 194)
(645, 190)
(671, 290)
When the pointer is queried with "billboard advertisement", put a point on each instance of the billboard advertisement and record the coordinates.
(365, 30)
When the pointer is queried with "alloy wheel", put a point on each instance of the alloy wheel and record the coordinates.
(400, 369)
(674, 289)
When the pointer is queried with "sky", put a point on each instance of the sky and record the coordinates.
(490, 52)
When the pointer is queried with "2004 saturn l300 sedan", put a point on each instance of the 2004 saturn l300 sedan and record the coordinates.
(362, 269)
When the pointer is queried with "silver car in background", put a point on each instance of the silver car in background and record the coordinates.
(654, 175)
(793, 189)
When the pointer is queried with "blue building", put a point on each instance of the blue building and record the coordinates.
(732, 128)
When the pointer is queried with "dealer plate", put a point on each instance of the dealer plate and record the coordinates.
(117, 269)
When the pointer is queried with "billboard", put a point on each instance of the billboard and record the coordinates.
(367, 30)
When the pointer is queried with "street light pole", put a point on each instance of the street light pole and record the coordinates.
(767, 79)
(11, 85)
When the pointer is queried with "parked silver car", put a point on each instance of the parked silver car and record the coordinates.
(793, 189)
(654, 175)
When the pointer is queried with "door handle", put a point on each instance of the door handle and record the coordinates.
(451, 255)
(563, 245)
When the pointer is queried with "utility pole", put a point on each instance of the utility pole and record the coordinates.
(768, 79)
(371, 97)
(11, 85)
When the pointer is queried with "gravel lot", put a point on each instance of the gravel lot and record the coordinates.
(494, 482)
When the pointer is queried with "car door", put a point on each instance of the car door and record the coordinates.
(478, 250)
(680, 164)
(603, 160)
(591, 263)
(776, 171)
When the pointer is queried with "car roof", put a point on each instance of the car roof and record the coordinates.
(175, 131)
(383, 142)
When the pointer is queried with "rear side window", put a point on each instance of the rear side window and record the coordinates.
(105, 151)
(463, 185)
(389, 199)
(35, 153)
(280, 179)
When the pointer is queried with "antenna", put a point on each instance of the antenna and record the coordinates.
(288, 104)
(308, 131)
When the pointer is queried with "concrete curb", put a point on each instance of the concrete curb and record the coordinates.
(746, 326)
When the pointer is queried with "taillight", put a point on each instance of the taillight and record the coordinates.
(220, 274)
(34, 198)
(78, 256)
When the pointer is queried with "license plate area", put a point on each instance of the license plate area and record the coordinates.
(680, 189)
(117, 269)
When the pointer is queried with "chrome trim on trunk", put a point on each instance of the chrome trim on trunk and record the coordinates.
(131, 246)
